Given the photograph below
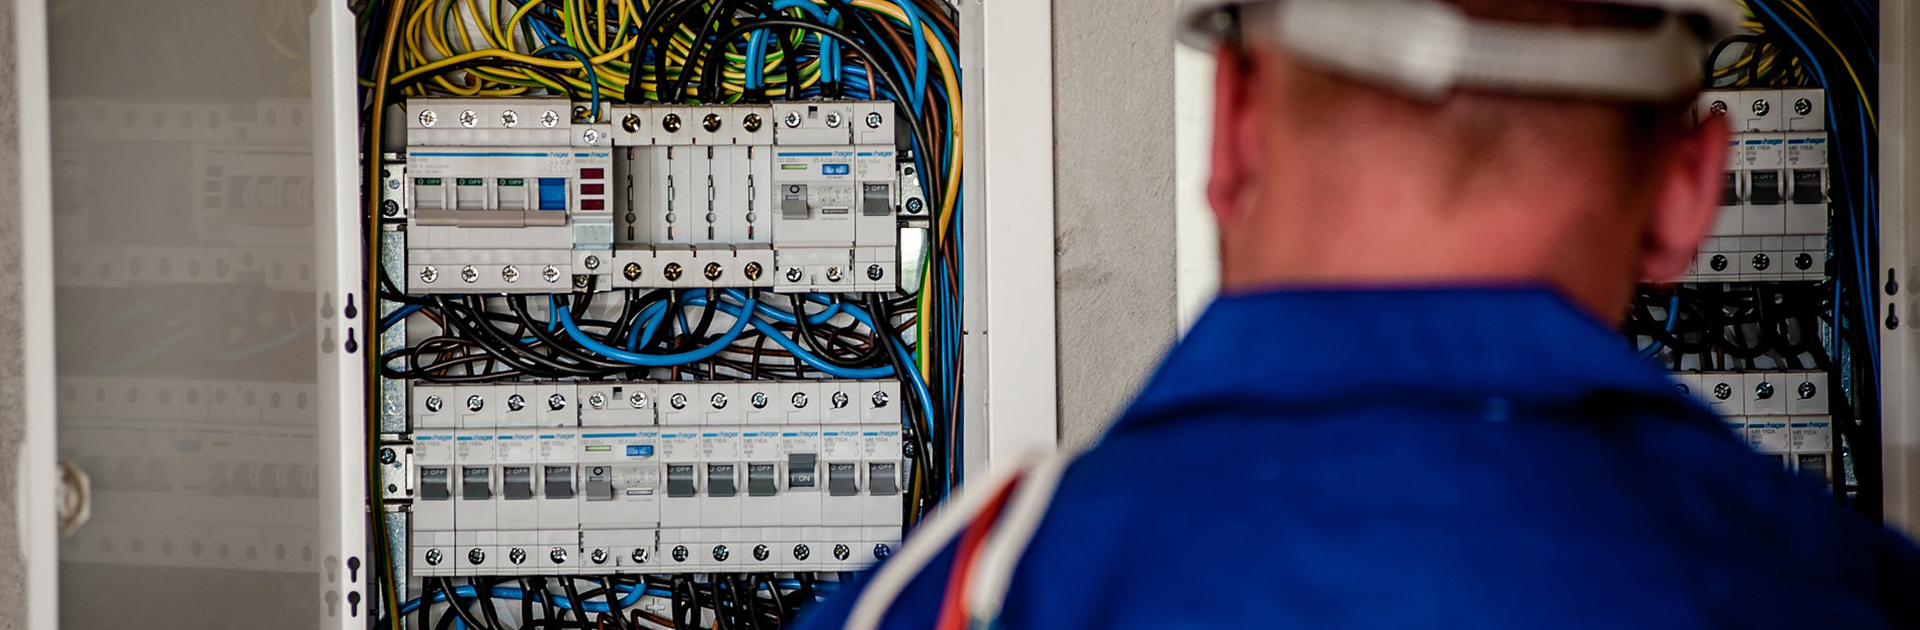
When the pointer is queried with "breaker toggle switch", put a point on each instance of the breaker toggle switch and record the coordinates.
(1807, 188)
(434, 484)
(842, 480)
(880, 479)
(762, 480)
(476, 484)
(876, 200)
(720, 480)
(516, 483)
(1765, 190)
(559, 482)
(680, 481)
(800, 470)
(599, 485)
(793, 201)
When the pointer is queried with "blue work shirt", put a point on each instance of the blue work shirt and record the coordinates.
(1434, 458)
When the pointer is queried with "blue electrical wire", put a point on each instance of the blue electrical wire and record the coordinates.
(593, 79)
(657, 360)
(398, 315)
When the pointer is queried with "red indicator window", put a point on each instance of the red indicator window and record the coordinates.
(593, 173)
(593, 204)
(593, 189)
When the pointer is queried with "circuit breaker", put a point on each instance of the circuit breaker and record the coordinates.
(1772, 223)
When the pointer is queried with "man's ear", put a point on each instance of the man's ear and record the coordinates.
(1236, 140)
(1686, 199)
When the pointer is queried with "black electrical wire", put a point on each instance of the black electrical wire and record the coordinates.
(573, 595)
(453, 602)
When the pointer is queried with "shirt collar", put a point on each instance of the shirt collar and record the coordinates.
(1527, 345)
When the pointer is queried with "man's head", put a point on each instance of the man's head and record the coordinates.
(1320, 177)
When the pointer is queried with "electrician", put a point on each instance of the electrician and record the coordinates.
(1411, 408)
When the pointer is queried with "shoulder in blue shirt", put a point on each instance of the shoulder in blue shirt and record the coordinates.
(1437, 458)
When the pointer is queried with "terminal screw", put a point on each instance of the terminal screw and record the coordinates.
(840, 400)
(597, 400)
(671, 123)
(1803, 107)
(1803, 262)
(880, 400)
(759, 400)
(1763, 391)
(1717, 108)
(799, 400)
(753, 271)
(476, 556)
(516, 402)
(1722, 391)
(1807, 390)
(549, 118)
(469, 274)
(429, 274)
(476, 403)
(713, 271)
(593, 263)
(720, 553)
(509, 118)
(875, 273)
(640, 555)
(1761, 107)
(387, 456)
(389, 208)
(833, 119)
(711, 123)
(1761, 262)
(794, 274)
(429, 119)
(556, 402)
(550, 274)
(833, 274)
(1718, 263)
(638, 400)
(599, 556)
(881, 551)
(434, 404)
(631, 123)
(592, 136)
(761, 553)
(751, 123)
(558, 555)
(841, 552)
(719, 400)
(679, 553)
(874, 119)
(672, 272)
(510, 274)
(468, 118)
(434, 557)
(801, 552)
(517, 556)
(793, 119)
(631, 271)
(679, 401)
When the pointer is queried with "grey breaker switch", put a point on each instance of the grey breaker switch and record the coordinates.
(762, 480)
(877, 200)
(793, 201)
(559, 482)
(800, 471)
(516, 483)
(680, 481)
(880, 480)
(476, 483)
(842, 480)
(720, 480)
(434, 484)
(599, 485)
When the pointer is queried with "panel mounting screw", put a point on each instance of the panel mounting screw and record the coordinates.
(833, 119)
(1807, 390)
(509, 118)
(517, 556)
(1803, 107)
(713, 271)
(434, 557)
(638, 400)
(476, 556)
(549, 118)
(800, 552)
(799, 400)
(761, 553)
(469, 274)
(510, 274)
(752, 123)
(387, 456)
(679, 401)
(793, 119)
(599, 556)
(558, 555)
(875, 273)
(429, 274)
(833, 274)
(556, 402)
(389, 208)
(719, 400)
(880, 400)
(468, 118)
(874, 119)
(671, 123)
(841, 552)
(476, 403)
(631, 271)
(1722, 391)
(640, 555)
(720, 553)
(593, 262)
(672, 272)
(1761, 107)
(758, 400)
(753, 271)
(679, 553)
(434, 404)
(592, 136)
(794, 274)
(550, 274)
(840, 400)
(711, 123)
(1763, 391)
(516, 402)
(631, 123)
(597, 400)
(429, 119)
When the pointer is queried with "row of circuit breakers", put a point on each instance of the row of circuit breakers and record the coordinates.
(1773, 206)
(1781, 414)
(516, 196)
(655, 477)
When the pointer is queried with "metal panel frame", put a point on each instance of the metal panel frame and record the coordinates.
(1899, 237)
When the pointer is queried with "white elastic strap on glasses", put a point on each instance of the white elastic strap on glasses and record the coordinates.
(1427, 49)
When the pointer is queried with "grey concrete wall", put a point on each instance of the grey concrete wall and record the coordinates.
(1114, 202)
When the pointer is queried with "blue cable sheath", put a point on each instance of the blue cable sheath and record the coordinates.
(655, 360)
(593, 78)
(398, 315)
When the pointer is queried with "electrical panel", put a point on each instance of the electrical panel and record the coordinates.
(1773, 216)
(1781, 414)
(515, 196)
(655, 477)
